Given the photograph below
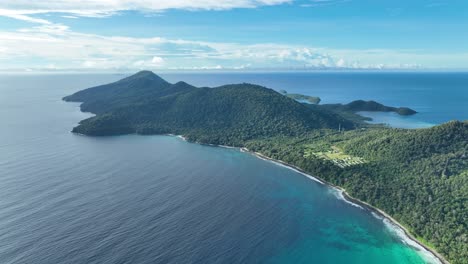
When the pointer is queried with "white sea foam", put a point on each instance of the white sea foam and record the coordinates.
(339, 194)
(428, 256)
(400, 233)
(291, 168)
(424, 253)
(228, 147)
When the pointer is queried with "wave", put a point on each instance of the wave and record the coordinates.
(280, 163)
(221, 146)
(400, 233)
(177, 136)
(339, 194)
(426, 254)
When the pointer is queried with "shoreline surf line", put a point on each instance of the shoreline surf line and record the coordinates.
(347, 197)
(357, 202)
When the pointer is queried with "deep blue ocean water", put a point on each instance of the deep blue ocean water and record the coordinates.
(66, 198)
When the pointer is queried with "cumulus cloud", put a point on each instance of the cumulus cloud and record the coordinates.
(64, 48)
(155, 62)
(29, 10)
(266, 55)
(57, 47)
(53, 46)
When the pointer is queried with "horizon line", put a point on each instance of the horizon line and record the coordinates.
(231, 70)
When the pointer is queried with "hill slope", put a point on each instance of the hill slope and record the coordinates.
(146, 104)
(134, 89)
(419, 177)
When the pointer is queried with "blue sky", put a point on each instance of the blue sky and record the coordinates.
(122, 35)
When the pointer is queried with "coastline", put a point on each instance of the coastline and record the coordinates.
(345, 195)
(354, 201)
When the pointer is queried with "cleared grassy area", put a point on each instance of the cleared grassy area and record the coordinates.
(335, 155)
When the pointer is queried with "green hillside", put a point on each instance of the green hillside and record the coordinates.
(419, 177)
(230, 114)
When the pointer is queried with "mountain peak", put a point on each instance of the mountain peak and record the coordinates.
(145, 74)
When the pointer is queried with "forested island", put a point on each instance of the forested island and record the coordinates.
(418, 177)
(371, 106)
(301, 97)
(354, 106)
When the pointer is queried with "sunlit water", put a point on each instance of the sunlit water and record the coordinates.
(66, 198)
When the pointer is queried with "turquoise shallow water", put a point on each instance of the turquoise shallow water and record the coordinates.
(66, 198)
(395, 120)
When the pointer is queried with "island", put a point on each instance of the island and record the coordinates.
(301, 97)
(414, 177)
(371, 106)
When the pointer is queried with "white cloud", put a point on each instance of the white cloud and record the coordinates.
(157, 60)
(340, 63)
(22, 15)
(26, 9)
(319, 3)
(48, 45)
(55, 42)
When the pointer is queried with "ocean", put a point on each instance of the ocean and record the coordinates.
(66, 198)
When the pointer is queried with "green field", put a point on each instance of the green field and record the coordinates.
(335, 155)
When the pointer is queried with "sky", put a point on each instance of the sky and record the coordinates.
(127, 35)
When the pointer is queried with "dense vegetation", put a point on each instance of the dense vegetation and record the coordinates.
(371, 106)
(419, 177)
(230, 114)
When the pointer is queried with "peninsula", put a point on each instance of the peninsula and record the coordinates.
(302, 98)
(417, 177)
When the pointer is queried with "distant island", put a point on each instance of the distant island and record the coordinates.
(417, 177)
(354, 106)
(302, 98)
(372, 106)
